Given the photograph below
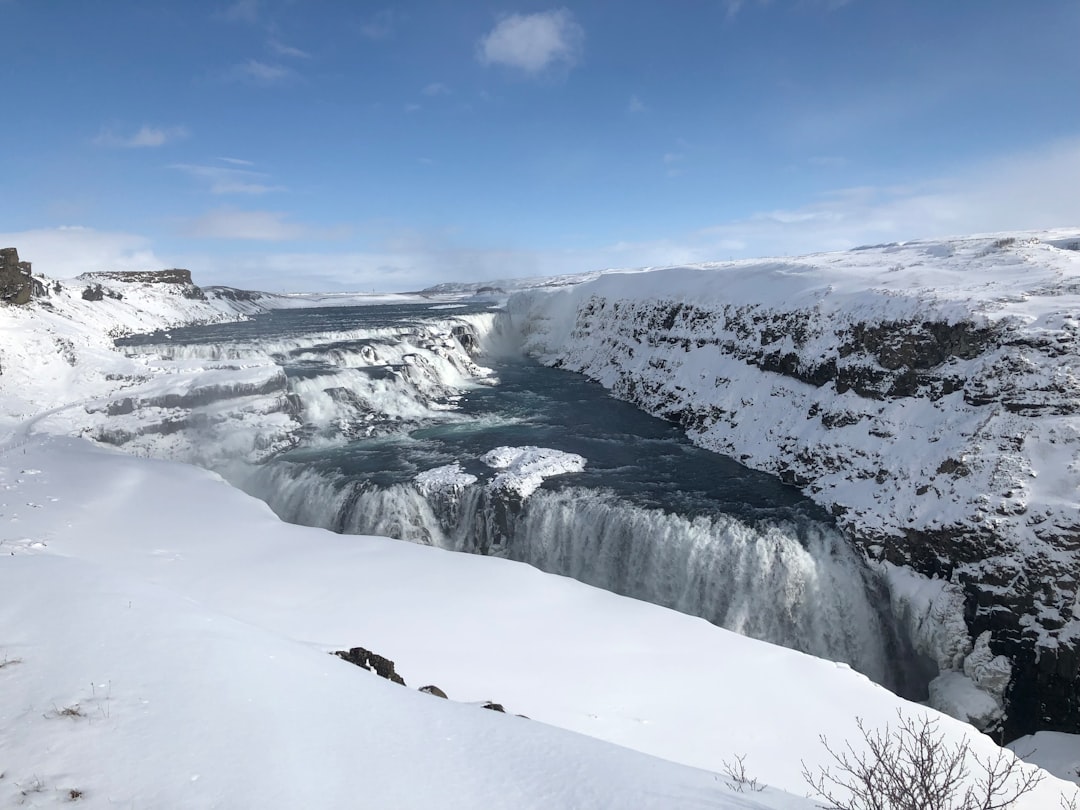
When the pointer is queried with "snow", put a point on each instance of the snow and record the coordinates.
(448, 478)
(164, 637)
(523, 469)
(1053, 751)
(186, 635)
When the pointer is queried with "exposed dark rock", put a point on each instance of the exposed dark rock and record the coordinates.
(181, 279)
(95, 292)
(431, 689)
(174, 276)
(233, 293)
(373, 662)
(16, 283)
(495, 707)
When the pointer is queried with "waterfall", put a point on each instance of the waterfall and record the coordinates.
(765, 571)
(796, 583)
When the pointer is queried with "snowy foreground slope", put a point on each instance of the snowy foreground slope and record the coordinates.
(164, 638)
(925, 392)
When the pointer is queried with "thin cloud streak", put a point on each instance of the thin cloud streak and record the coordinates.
(223, 180)
(281, 49)
(145, 137)
(255, 72)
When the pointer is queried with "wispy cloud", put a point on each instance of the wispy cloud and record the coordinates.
(636, 105)
(246, 11)
(145, 137)
(733, 7)
(259, 226)
(533, 42)
(1015, 192)
(255, 72)
(380, 25)
(222, 180)
(281, 49)
(68, 251)
(236, 161)
(436, 89)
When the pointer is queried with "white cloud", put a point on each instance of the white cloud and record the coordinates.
(636, 105)
(146, 136)
(259, 226)
(223, 180)
(68, 251)
(1015, 192)
(281, 49)
(1026, 191)
(436, 89)
(236, 161)
(258, 72)
(533, 42)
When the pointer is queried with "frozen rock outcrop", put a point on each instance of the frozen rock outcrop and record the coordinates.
(16, 283)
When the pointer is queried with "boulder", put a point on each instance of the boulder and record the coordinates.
(373, 662)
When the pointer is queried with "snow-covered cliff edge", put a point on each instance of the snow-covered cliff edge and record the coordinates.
(926, 393)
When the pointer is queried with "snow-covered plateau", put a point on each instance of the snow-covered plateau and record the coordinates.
(164, 637)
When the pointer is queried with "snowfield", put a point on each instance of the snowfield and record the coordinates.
(164, 638)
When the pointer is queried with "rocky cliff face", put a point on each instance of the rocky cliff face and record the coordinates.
(940, 425)
(16, 285)
(179, 280)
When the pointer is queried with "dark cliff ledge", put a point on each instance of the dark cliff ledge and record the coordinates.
(175, 276)
(16, 284)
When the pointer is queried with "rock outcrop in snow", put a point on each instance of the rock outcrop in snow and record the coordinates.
(16, 283)
(926, 393)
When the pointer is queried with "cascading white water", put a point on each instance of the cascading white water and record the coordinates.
(798, 585)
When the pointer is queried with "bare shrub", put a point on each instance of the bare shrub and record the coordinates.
(736, 777)
(912, 767)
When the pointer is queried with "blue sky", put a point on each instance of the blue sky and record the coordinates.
(309, 144)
